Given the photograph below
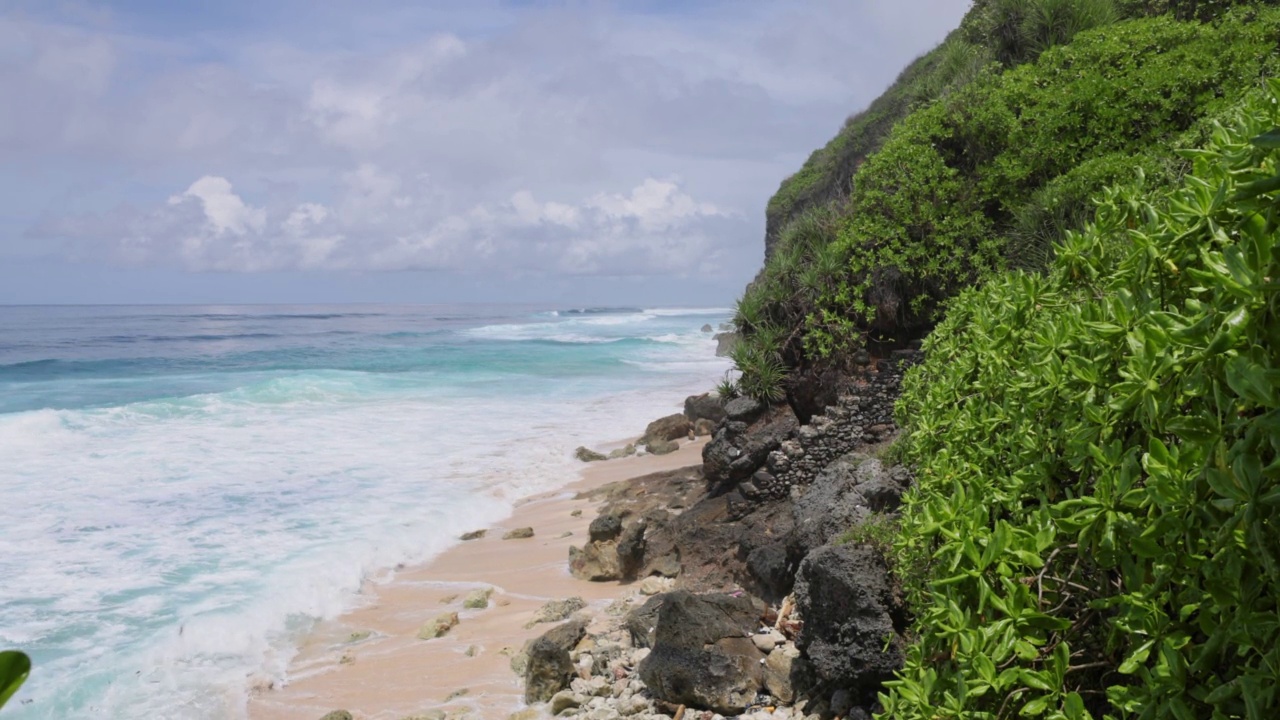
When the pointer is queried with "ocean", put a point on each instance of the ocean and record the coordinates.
(188, 490)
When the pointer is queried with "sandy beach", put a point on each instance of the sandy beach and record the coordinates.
(371, 662)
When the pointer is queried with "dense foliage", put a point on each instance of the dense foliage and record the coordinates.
(1096, 526)
(992, 172)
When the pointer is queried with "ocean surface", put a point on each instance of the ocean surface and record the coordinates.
(187, 490)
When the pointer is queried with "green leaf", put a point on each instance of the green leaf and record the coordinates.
(1269, 140)
(15, 666)
(1136, 658)
(1035, 707)
(1257, 187)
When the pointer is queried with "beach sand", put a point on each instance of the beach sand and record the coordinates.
(391, 674)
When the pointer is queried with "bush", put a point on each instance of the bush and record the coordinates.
(1095, 530)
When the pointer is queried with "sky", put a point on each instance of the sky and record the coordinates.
(305, 151)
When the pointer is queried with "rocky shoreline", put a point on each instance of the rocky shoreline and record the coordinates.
(780, 603)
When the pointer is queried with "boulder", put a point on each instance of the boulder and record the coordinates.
(771, 569)
(622, 452)
(586, 454)
(737, 450)
(605, 527)
(844, 494)
(725, 342)
(703, 428)
(704, 407)
(477, 599)
(707, 328)
(702, 654)
(473, 535)
(671, 427)
(550, 668)
(439, 626)
(630, 549)
(557, 610)
(642, 622)
(519, 534)
(662, 447)
(338, 715)
(596, 561)
(780, 670)
(744, 409)
(851, 619)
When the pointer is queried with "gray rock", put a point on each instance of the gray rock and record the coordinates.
(473, 535)
(780, 670)
(622, 452)
(849, 635)
(557, 610)
(642, 622)
(565, 700)
(704, 407)
(703, 428)
(744, 409)
(707, 328)
(725, 342)
(767, 641)
(550, 669)
(586, 454)
(661, 447)
(605, 527)
(631, 547)
(671, 427)
(702, 654)
(841, 702)
(338, 715)
(519, 534)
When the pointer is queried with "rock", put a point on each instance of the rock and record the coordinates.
(605, 527)
(565, 700)
(767, 641)
(550, 669)
(671, 427)
(630, 550)
(576, 513)
(525, 714)
(851, 619)
(707, 328)
(744, 409)
(642, 622)
(519, 534)
(439, 626)
(472, 651)
(662, 447)
(841, 702)
(844, 494)
(725, 342)
(737, 449)
(586, 454)
(771, 568)
(704, 407)
(653, 585)
(703, 428)
(557, 610)
(447, 599)
(565, 534)
(622, 452)
(596, 562)
(477, 599)
(780, 671)
(473, 535)
(338, 715)
(702, 654)
(359, 636)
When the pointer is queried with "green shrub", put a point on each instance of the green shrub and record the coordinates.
(1097, 504)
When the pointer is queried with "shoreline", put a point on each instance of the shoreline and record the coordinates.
(391, 674)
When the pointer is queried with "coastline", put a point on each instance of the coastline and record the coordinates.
(392, 674)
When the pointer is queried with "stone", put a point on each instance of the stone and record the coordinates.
(576, 513)
(605, 527)
(671, 427)
(359, 636)
(703, 428)
(841, 702)
(725, 342)
(473, 535)
(642, 623)
(771, 568)
(707, 328)
(702, 654)
(780, 671)
(596, 561)
(557, 610)
(627, 451)
(653, 585)
(519, 534)
(477, 599)
(737, 449)
(439, 626)
(704, 407)
(744, 409)
(525, 714)
(472, 651)
(851, 625)
(767, 641)
(338, 715)
(586, 454)
(565, 700)
(550, 669)
(661, 447)
(630, 550)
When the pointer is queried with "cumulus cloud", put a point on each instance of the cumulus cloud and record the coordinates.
(560, 139)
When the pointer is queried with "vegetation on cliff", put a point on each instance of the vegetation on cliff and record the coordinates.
(1096, 525)
(1005, 134)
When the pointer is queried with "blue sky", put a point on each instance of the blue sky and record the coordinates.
(396, 151)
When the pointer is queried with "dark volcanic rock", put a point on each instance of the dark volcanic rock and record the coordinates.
(845, 493)
(550, 669)
(772, 570)
(737, 449)
(744, 409)
(642, 622)
(851, 633)
(810, 392)
(605, 527)
(704, 407)
(703, 656)
(671, 427)
(631, 547)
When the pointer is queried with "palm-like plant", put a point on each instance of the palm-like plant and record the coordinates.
(15, 666)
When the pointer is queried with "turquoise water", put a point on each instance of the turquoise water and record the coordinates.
(187, 490)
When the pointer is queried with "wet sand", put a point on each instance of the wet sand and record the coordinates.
(392, 675)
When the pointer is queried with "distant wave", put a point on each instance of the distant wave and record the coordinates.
(597, 311)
